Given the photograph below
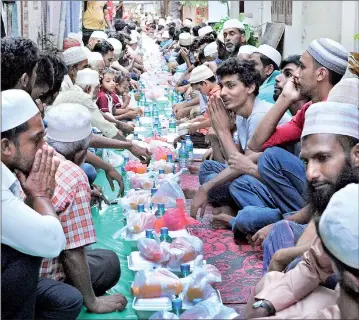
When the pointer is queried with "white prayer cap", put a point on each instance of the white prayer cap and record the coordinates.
(205, 30)
(17, 108)
(220, 36)
(68, 122)
(162, 22)
(94, 57)
(233, 23)
(74, 55)
(134, 39)
(210, 49)
(339, 226)
(165, 35)
(270, 52)
(185, 39)
(200, 73)
(187, 23)
(246, 49)
(169, 18)
(117, 45)
(333, 118)
(99, 35)
(345, 91)
(87, 77)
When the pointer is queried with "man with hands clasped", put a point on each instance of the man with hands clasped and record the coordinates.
(30, 230)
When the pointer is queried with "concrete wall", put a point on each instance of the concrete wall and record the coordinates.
(337, 20)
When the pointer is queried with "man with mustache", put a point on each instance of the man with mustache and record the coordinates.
(234, 36)
(330, 139)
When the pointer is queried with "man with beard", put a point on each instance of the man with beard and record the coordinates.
(341, 218)
(285, 241)
(267, 60)
(234, 36)
(288, 67)
(329, 139)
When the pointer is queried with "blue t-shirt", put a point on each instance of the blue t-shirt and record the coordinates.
(266, 90)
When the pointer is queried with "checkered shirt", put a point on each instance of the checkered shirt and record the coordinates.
(71, 201)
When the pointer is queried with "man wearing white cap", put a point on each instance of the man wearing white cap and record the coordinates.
(267, 61)
(330, 144)
(234, 36)
(211, 51)
(92, 272)
(96, 37)
(245, 51)
(30, 230)
(75, 59)
(96, 62)
(204, 31)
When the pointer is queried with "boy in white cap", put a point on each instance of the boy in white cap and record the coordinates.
(234, 36)
(204, 30)
(330, 144)
(69, 132)
(267, 61)
(31, 230)
(75, 59)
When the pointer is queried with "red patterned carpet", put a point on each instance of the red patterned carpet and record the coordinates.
(239, 262)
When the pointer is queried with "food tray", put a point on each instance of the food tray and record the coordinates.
(145, 308)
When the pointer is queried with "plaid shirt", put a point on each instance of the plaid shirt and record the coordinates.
(71, 201)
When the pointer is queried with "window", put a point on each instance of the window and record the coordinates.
(282, 11)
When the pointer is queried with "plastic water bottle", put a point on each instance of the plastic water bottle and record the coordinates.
(147, 111)
(189, 148)
(135, 136)
(166, 93)
(183, 156)
(177, 306)
(160, 210)
(155, 110)
(156, 130)
(140, 208)
(185, 269)
(153, 191)
(149, 234)
(172, 124)
(137, 121)
(126, 181)
(165, 237)
(197, 301)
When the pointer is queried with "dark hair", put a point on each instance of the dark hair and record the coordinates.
(267, 61)
(334, 77)
(244, 69)
(201, 56)
(195, 30)
(131, 26)
(185, 29)
(176, 35)
(13, 134)
(120, 24)
(172, 24)
(172, 31)
(103, 47)
(159, 28)
(190, 19)
(120, 77)
(295, 58)
(45, 71)
(18, 56)
(347, 143)
(60, 70)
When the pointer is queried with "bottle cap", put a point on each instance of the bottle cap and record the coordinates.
(164, 230)
(161, 171)
(141, 207)
(149, 233)
(185, 268)
(161, 205)
(177, 304)
(169, 157)
(153, 191)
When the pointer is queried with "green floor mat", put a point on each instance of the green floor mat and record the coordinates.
(107, 222)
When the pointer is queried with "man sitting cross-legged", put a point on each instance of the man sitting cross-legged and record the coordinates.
(92, 272)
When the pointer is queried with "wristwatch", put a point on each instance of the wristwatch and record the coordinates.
(264, 304)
